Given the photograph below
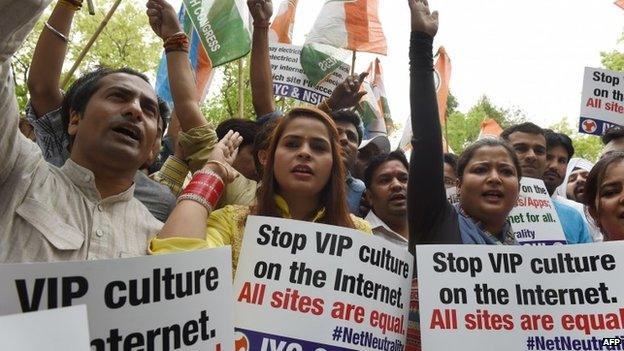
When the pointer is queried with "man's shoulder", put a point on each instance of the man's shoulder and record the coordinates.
(566, 210)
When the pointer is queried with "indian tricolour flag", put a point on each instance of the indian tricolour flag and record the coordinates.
(200, 63)
(442, 80)
(374, 108)
(282, 27)
(341, 24)
(221, 25)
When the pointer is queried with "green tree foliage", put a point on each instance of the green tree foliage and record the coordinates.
(224, 104)
(614, 60)
(463, 128)
(127, 40)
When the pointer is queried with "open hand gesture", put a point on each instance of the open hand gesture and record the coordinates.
(261, 10)
(225, 152)
(348, 93)
(423, 20)
(163, 18)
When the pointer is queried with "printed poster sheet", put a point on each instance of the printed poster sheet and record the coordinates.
(562, 297)
(602, 104)
(177, 301)
(289, 80)
(309, 286)
(16, 330)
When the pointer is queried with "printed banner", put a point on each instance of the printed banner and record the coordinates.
(534, 219)
(602, 104)
(478, 297)
(309, 286)
(177, 301)
(17, 330)
(289, 80)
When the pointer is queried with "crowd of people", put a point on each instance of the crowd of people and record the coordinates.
(107, 170)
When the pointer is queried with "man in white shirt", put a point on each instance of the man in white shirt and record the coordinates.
(85, 209)
(386, 191)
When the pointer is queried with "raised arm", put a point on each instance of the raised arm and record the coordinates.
(164, 22)
(17, 18)
(46, 66)
(426, 194)
(346, 95)
(260, 74)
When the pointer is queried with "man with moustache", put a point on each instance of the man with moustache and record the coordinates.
(386, 191)
(85, 209)
(529, 142)
(559, 155)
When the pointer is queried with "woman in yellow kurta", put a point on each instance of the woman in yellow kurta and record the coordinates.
(304, 179)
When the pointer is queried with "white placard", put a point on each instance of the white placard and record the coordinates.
(602, 104)
(563, 297)
(289, 80)
(178, 301)
(308, 286)
(65, 329)
(534, 219)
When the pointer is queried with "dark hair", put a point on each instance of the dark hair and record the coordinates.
(526, 127)
(333, 195)
(451, 160)
(379, 160)
(81, 91)
(613, 133)
(469, 152)
(348, 116)
(554, 139)
(595, 178)
(261, 142)
(246, 128)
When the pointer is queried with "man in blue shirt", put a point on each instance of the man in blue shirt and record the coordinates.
(350, 136)
(529, 142)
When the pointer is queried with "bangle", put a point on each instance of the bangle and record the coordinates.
(177, 42)
(220, 164)
(72, 4)
(55, 31)
(205, 188)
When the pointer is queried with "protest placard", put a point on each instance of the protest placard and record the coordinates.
(564, 297)
(289, 80)
(177, 301)
(308, 286)
(602, 103)
(17, 330)
(534, 219)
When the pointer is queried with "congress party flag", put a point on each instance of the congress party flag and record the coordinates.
(347, 24)
(443, 69)
(222, 28)
(200, 63)
(282, 27)
(490, 129)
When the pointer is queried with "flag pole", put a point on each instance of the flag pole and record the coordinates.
(241, 96)
(353, 63)
(87, 47)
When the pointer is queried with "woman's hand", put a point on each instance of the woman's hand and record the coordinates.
(224, 153)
